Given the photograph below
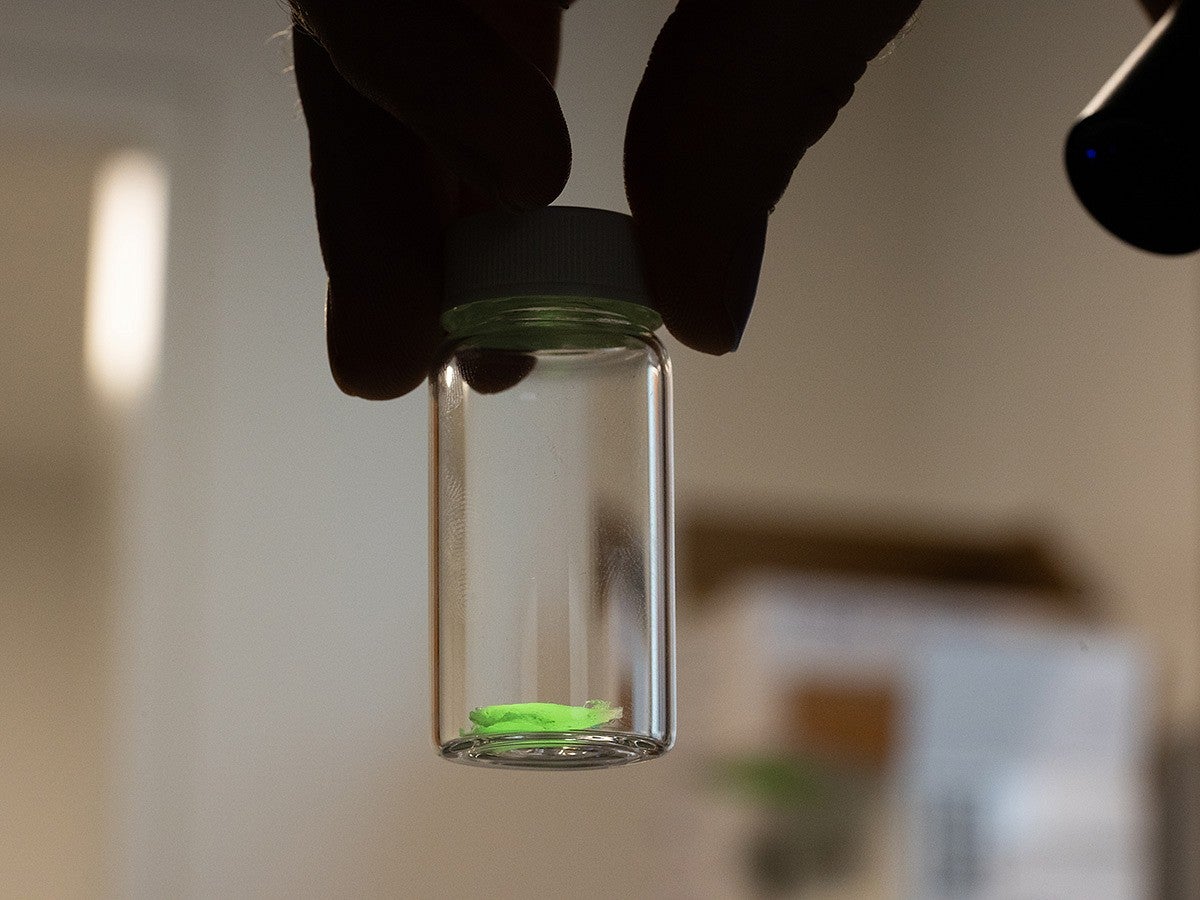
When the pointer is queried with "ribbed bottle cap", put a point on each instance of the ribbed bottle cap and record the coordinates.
(559, 251)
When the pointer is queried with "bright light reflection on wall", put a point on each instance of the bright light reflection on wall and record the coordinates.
(125, 279)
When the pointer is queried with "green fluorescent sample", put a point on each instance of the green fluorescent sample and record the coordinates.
(523, 718)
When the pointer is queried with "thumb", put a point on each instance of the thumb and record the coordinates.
(734, 94)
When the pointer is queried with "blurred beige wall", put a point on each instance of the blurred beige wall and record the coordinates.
(941, 332)
(55, 531)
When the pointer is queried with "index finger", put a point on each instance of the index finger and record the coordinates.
(383, 194)
(484, 108)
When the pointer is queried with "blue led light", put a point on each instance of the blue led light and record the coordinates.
(1091, 152)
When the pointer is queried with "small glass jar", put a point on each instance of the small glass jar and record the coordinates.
(551, 498)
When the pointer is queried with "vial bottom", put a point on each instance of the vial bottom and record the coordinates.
(553, 750)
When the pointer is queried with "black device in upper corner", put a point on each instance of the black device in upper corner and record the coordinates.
(1133, 156)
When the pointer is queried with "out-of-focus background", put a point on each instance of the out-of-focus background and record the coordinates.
(938, 517)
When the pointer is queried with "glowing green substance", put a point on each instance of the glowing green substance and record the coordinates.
(523, 718)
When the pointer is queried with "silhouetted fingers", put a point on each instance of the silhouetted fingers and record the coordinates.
(447, 110)
(471, 90)
(380, 229)
(735, 92)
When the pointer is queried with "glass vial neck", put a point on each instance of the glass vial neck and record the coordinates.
(575, 313)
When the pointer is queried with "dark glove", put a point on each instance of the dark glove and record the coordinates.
(420, 111)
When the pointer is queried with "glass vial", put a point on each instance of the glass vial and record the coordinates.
(551, 498)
